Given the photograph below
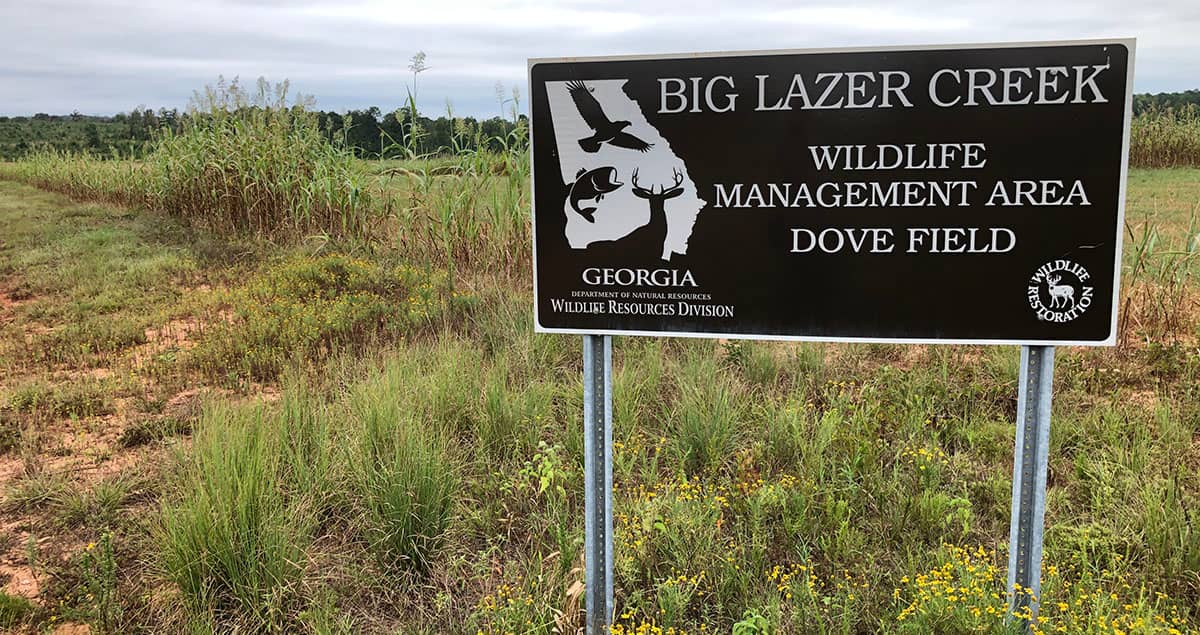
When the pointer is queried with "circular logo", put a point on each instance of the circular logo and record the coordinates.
(1058, 291)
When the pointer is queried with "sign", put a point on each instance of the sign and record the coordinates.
(967, 194)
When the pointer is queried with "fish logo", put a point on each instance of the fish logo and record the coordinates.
(592, 185)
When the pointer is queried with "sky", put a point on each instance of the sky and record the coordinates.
(103, 57)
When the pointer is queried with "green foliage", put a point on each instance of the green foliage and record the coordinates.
(250, 162)
(469, 210)
(1146, 101)
(401, 475)
(752, 623)
(243, 161)
(99, 570)
(309, 307)
(74, 400)
(37, 490)
(82, 175)
(124, 134)
(704, 422)
(13, 609)
(234, 539)
(425, 474)
(1159, 279)
(965, 593)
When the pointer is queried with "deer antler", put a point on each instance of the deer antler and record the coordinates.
(657, 190)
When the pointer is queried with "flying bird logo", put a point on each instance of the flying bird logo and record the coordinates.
(605, 130)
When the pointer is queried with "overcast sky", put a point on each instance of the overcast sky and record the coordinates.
(100, 57)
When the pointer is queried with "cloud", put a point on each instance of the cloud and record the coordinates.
(104, 57)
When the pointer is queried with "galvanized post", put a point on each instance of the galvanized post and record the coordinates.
(597, 481)
(1029, 481)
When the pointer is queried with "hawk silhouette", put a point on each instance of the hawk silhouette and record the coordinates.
(606, 130)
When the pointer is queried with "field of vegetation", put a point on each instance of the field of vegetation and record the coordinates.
(253, 383)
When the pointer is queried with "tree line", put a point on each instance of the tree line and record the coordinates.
(1146, 102)
(369, 133)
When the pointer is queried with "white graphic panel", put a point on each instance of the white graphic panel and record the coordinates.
(619, 211)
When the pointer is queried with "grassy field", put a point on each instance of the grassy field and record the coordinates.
(208, 426)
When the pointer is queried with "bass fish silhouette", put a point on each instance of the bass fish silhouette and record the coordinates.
(592, 185)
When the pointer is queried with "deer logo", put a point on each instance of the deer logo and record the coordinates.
(1054, 301)
(646, 242)
(1062, 296)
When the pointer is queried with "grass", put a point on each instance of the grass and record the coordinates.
(253, 162)
(248, 161)
(234, 541)
(403, 454)
(13, 610)
(308, 307)
(400, 473)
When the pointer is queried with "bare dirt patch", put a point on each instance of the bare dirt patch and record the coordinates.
(18, 577)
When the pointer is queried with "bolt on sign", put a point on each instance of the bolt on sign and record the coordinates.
(968, 194)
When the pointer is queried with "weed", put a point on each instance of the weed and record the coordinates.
(72, 400)
(153, 429)
(99, 567)
(752, 623)
(705, 420)
(97, 506)
(1157, 301)
(10, 433)
(37, 490)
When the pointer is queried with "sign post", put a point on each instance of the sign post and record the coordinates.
(1029, 480)
(597, 481)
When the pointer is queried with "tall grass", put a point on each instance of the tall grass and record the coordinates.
(244, 161)
(400, 473)
(82, 176)
(261, 483)
(235, 541)
(1162, 138)
(1158, 284)
(472, 211)
(249, 161)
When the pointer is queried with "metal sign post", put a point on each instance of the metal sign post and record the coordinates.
(597, 481)
(1029, 479)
